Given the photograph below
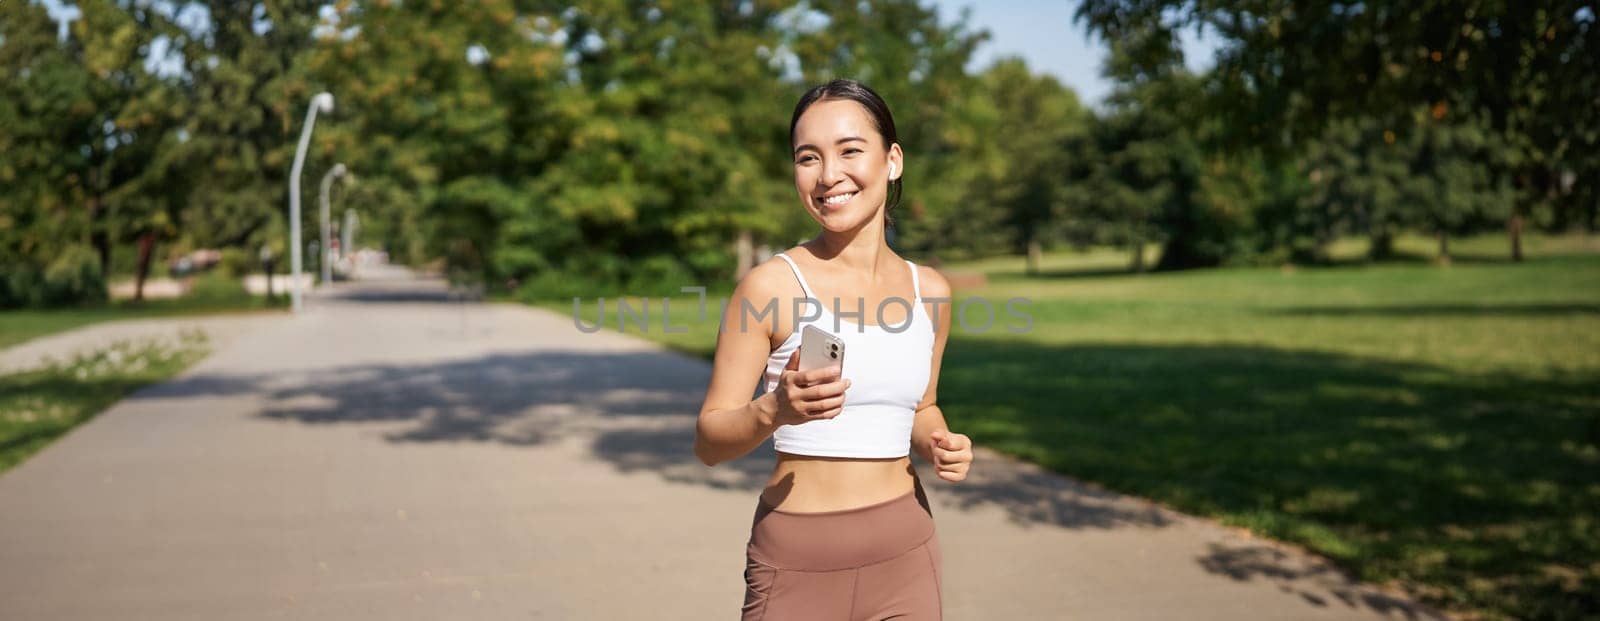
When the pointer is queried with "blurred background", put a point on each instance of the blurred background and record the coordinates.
(1324, 270)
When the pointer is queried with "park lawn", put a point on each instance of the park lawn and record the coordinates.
(18, 326)
(1435, 427)
(37, 406)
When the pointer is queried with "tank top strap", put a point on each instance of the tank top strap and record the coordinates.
(916, 285)
(797, 275)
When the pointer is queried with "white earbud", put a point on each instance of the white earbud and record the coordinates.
(891, 171)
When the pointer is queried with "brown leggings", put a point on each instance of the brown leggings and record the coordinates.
(875, 562)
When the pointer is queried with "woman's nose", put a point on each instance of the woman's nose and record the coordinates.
(832, 172)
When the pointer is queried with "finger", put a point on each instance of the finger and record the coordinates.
(951, 465)
(827, 404)
(824, 391)
(953, 477)
(830, 413)
(818, 376)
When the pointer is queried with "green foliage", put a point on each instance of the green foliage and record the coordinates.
(73, 276)
(1288, 72)
(214, 288)
(238, 262)
(1023, 159)
(84, 129)
(619, 143)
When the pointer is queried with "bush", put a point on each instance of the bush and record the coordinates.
(74, 277)
(659, 275)
(216, 287)
(21, 286)
(236, 263)
(601, 276)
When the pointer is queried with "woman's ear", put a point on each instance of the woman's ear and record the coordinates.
(897, 165)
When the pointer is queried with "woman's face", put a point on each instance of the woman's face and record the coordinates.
(841, 165)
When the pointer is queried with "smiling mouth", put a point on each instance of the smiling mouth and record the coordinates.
(836, 199)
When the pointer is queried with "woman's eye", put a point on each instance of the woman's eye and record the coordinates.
(805, 159)
(851, 151)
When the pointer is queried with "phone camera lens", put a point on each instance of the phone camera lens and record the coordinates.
(833, 354)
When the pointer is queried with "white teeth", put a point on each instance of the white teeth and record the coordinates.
(839, 199)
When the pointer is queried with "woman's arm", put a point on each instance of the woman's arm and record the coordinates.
(950, 453)
(732, 424)
(928, 419)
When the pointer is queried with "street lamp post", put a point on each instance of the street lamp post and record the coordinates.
(348, 231)
(323, 102)
(327, 180)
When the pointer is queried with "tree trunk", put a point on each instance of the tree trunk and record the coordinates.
(147, 241)
(1138, 257)
(1592, 217)
(1515, 228)
(266, 266)
(99, 238)
(1382, 246)
(1444, 248)
(1035, 254)
(745, 250)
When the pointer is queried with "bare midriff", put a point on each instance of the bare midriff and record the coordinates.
(806, 484)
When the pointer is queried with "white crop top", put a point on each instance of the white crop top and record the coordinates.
(888, 369)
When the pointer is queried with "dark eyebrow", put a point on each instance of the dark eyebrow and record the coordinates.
(843, 140)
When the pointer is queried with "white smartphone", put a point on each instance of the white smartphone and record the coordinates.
(819, 349)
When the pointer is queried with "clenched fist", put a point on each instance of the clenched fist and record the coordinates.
(952, 454)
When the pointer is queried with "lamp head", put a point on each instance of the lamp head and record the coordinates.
(338, 170)
(324, 102)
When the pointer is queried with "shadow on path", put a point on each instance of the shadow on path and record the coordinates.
(1312, 579)
(636, 410)
(1316, 439)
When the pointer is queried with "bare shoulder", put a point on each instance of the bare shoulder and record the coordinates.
(934, 284)
(771, 284)
(760, 298)
(769, 279)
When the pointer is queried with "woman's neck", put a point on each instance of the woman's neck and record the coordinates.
(858, 250)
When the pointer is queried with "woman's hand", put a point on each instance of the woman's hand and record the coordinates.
(805, 396)
(952, 454)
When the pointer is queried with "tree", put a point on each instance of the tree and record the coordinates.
(82, 121)
(1451, 193)
(1358, 172)
(244, 79)
(1035, 117)
(1286, 69)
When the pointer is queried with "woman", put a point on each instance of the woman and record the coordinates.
(842, 529)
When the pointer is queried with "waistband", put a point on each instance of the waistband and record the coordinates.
(843, 539)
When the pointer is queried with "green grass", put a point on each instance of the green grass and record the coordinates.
(1438, 427)
(210, 296)
(40, 405)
